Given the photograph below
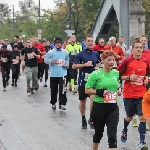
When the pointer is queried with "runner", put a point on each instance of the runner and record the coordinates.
(73, 49)
(42, 51)
(45, 66)
(15, 65)
(100, 46)
(134, 70)
(29, 56)
(86, 61)
(5, 58)
(122, 44)
(104, 84)
(117, 49)
(146, 107)
(58, 59)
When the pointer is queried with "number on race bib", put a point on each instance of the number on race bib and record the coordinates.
(111, 97)
(15, 61)
(140, 80)
(86, 76)
(59, 62)
(30, 56)
(3, 59)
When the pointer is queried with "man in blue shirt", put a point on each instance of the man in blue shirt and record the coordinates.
(58, 59)
(87, 61)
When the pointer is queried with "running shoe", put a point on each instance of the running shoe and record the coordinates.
(134, 123)
(143, 146)
(62, 107)
(53, 107)
(12, 84)
(91, 124)
(32, 92)
(84, 124)
(28, 90)
(74, 92)
(44, 85)
(4, 89)
(15, 84)
(41, 79)
(124, 136)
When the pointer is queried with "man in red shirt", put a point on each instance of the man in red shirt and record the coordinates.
(42, 51)
(117, 49)
(134, 70)
(100, 46)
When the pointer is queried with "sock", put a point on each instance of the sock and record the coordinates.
(72, 84)
(134, 117)
(142, 131)
(125, 125)
(83, 117)
(90, 116)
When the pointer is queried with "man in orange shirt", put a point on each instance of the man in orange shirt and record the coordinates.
(146, 107)
(117, 49)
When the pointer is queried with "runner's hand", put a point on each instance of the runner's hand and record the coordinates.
(105, 93)
(33, 53)
(119, 92)
(117, 56)
(96, 68)
(145, 82)
(133, 77)
(88, 64)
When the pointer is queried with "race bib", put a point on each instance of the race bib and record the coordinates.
(111, 97)
(30, 56)
(59, 62)
(86, 76)
(73, 52)
(3, 59)
(15, 61)
(140, 80)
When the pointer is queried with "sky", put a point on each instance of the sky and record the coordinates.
(45, 4)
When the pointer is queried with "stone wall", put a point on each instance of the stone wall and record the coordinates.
(137, 19)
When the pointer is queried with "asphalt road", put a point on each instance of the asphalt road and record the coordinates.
(27, 122)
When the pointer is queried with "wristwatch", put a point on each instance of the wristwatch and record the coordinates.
(128, 78)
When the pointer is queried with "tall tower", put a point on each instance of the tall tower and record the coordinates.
(137, 18)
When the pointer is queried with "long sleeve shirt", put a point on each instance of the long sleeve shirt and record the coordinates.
(56, 67)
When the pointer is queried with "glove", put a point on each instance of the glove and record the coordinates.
(54, 60)
(65, 66)
(100, 92)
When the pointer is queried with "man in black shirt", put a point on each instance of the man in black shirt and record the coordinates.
(5, 58)
(15, 57)
(16, 40)
(29, 58)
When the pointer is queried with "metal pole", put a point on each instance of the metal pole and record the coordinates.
(39, 25)
(13, 21)
(69, 14)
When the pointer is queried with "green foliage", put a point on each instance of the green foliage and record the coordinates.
(54, 23)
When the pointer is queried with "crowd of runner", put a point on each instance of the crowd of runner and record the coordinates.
(101, 71)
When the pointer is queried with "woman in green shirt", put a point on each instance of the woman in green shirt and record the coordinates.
(104, 84)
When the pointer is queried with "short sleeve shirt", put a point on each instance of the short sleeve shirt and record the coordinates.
(103, 80)
(30, 60)
(141, 69)
(83, 57)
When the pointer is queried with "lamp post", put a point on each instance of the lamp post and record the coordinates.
(13, 21)
(69, 14)
(39, 23)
